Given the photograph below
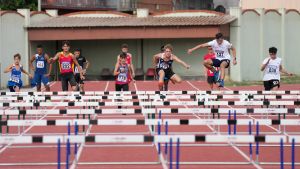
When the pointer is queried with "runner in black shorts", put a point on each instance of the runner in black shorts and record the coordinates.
(84, 64)
(66, 63)
(272, 67)
(163, 64)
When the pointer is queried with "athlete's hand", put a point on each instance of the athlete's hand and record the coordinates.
(30, 76)
(32, 68)
(83, 71)
(47, 75)
(290, 74)
(133, 75)
(82, 77)
(188, 66)
(234, 62)
(190, 51)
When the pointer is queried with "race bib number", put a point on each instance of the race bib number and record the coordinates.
(164, 66)
(276, 82)
(220, 54)
(76, 69)
(122, 77)
(272, 69)
(65, 65)
(15, 79)
(40, 64)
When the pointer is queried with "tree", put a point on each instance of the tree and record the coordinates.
(17, 4)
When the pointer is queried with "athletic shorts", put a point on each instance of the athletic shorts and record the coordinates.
(270, 84)
(67, 78)
(168, 73)
(210, 79)
(122, 87)
(12, 85)
(78, 79)
(217, 62)
(40, 78)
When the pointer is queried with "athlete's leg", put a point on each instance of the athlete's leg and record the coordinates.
(223, 66)
(176, 78)
(161, 75)
(209, 65)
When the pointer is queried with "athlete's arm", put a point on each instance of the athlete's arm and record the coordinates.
(282, 70)
(50, 64)
(51, 60)
(25, 72)
(175, 58)
(8, 69)
(118, 59)
(263, 66)
(32, 59)
(155, 60)
(78, 66)
(131, 71)
(233, 54)
(116, 70)
(197, 47)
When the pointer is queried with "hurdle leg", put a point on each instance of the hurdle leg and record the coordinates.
(7, 127)
(83, 127)
(0, 124)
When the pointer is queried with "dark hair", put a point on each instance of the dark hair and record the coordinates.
(124, 46)
(273, 50)
(77, 50)
(219, 36)
(162, 48)
(123, 55)
(17, 56)
(168, 46)
(66, 43)
(39, 46)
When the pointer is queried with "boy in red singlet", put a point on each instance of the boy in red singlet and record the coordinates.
(66, 62)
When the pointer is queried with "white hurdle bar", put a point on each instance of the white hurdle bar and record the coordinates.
(221, 92)
(153, 103)
(151, 111)
(171, 122)
(29, 98)
(144, 139)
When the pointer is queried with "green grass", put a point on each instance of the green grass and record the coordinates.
(284, 80)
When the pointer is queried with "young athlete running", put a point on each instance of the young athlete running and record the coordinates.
(210, 75)
(272, 67)
(122, 72)
(42, 61)
(221, 48)
(163, 64)
(84, 65)
(16, 69)
(124, 49)
(66, 61)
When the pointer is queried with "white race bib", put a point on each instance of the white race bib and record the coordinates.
(65, 65)
(122, 77)
(14, 79)
(76, 69)
(40, 64)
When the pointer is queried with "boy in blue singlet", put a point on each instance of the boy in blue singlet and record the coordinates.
(42, 61)
(15, 81)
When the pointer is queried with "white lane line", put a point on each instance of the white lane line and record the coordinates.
(24, 132)
(278, 131)
(161, 157)
(233, 146)
(107, 83)
(74, 163)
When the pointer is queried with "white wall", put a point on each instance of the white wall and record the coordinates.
(260, 30)
(12, 37)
